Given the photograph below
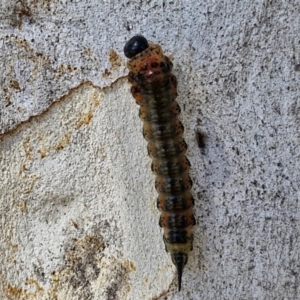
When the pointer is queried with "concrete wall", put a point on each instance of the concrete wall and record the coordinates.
(77, 202)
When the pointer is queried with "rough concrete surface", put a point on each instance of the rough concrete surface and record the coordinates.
(77, 203)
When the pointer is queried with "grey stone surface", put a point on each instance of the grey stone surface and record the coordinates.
(77, 204)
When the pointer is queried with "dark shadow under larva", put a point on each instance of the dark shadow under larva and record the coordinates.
(154, 88)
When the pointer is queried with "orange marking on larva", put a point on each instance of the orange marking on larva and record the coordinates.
(177, 220)
(175, 109)
(177, 165)
(169, 185)
(167, 148)
(135, 91)
(158, 131)
(155, 88)
(174, 86)
(176, 203)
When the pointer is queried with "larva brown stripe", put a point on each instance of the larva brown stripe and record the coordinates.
(154, 88)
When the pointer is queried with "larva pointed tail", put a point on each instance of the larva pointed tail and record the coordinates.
(179, 260)
(179, 273)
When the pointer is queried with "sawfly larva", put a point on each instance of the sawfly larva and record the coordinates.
(154, 88)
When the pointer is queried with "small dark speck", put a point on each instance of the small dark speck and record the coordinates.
(254, 182)
(200, 137)
(297, 68)
(236, 150)
(294, 273)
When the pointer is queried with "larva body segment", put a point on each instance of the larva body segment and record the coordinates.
(154, 88)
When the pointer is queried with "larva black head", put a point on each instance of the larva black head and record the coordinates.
(135, 45)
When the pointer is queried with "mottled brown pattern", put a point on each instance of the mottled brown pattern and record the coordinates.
(154, 88)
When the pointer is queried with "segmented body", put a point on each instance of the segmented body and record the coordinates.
(154, 88)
